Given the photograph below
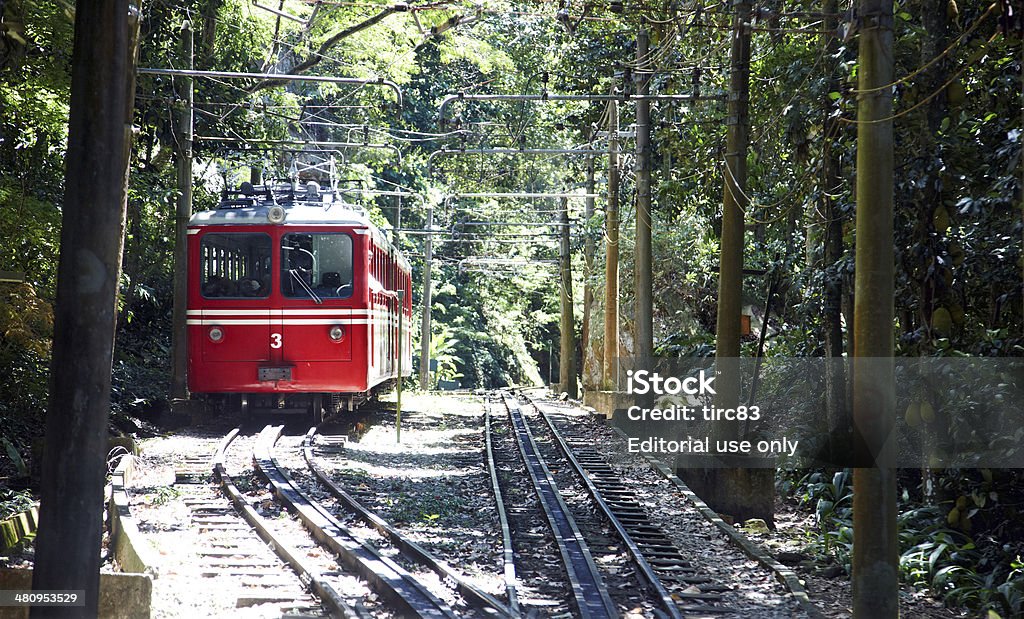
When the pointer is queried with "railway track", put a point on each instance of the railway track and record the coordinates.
(670, 577)
(235, 543)
(412, 551)
(671, 583)
(589, 591)
(384, 575)
(272, 564)
(575, 539)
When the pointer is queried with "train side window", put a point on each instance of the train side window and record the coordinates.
(316, 265)
(235, 265)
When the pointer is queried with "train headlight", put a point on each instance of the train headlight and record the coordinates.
(216, 334)
(275, 214)
(337, 333)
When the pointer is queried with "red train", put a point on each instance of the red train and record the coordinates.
(293, 301)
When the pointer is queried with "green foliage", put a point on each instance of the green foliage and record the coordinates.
(15, 457)
(832, 501)
(979, 574)
(165, 494)
(14, 502)
(442, 348)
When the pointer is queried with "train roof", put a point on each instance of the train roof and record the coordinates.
(252, 204)
(307, 205)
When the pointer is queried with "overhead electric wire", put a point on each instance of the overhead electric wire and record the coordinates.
(940, 56)
(935, 93)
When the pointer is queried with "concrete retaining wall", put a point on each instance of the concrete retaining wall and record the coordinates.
(122, 596)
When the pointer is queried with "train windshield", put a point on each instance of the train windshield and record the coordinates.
(235, 265)
(316, 266)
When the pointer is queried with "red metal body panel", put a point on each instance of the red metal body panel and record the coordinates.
(293, 334)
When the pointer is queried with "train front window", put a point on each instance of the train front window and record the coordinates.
(316, 266)
(235, 265)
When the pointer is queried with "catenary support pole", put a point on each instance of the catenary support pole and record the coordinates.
(875, 550)
(741, 490)
(400, 301)
(567, 355)
(589, 250)
(179, 328)
(644, 295)
(68, 546)
(609, 373)
(734, 204)
(425, 322)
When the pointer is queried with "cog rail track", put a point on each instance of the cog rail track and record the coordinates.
(411, 550)
(588, 587)
(390, 580)
(657, 560)
(508, 552)
(220, 518)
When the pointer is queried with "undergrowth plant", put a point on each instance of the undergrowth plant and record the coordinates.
(935, 553)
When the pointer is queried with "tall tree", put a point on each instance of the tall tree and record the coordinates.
(875, 549)
(831, 229)
(68, 545)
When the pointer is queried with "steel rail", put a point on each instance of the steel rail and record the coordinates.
(389, 579)
(644, 569)
(588, 588)
(508, 553)
(482, 600)
(330, 598)
(378, 81)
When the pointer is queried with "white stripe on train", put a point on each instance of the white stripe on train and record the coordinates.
(286, 321)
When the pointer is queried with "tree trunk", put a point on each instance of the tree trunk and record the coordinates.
(425, 319)
(933, 291)
(68, 544)
(839, 421)
(875, 550)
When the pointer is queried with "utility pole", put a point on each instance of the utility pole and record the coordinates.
(425, 323)
(71, 526)
(644, 306)
(179, 326)
(743, 492)
(609, 374)
(589, 249)
(734, 204)
(875, 551)
(567, 356)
